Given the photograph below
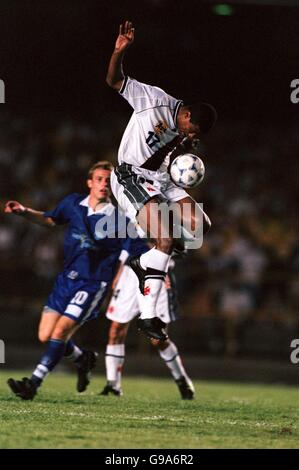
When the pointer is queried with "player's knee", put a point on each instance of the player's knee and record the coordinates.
(206, 223)
(155, 343)
(161, 345)
(165, 244)
(203, 221)
(60, 333)
(44, 336)
(117, 333)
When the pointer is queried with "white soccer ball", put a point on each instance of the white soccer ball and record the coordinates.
(187, 170)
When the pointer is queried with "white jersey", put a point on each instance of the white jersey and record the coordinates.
(151, 133)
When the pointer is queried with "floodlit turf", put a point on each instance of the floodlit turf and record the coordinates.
(149, 415)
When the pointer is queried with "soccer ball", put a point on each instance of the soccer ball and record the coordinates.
(187, 170)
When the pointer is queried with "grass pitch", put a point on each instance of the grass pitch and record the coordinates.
(150, 415)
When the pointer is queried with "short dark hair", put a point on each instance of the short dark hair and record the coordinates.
(203, 114)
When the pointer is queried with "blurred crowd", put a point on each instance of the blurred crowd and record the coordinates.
(248, 267)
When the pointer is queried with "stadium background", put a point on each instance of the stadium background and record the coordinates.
(239, 294)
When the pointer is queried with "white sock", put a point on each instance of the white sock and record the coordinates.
(145, 257)
(171, 357)
(148, 302)
(157, 259)
(152, 286)
(41, 371)
(114, 359)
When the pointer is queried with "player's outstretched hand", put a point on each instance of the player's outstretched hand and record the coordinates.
(14, 207)
(125, 37)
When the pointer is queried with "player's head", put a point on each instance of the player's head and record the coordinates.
(98, 180)
(197, 118)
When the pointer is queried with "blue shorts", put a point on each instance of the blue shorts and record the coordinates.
(78, 299)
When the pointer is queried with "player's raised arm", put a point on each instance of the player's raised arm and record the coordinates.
(115, 74)
(37, 217)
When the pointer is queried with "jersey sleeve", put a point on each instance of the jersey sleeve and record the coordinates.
(62, 213)
(141, 96)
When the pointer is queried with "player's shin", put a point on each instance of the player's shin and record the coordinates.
(114, 360)
(171, 357)
(145, 257)
(72, 351)
(156, 270)
(51, 357)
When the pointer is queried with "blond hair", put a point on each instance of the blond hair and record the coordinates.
(101, 165)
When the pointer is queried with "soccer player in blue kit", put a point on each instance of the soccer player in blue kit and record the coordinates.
(90, 263)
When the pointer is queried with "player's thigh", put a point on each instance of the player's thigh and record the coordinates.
(187, 211)
(189, 215)
(155, 219)
(193, 211)
(48, 321)
(123, 306)
(182, 204)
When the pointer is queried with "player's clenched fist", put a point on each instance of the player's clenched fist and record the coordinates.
(14, 207)
(126, 36)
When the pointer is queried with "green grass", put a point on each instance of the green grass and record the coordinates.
(149, 415)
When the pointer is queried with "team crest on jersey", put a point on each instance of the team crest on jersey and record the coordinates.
(73, 275)
(161, 127)
(85, 241)
(158, 135)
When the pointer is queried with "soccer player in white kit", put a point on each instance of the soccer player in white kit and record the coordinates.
(125, 304)
(160, 124)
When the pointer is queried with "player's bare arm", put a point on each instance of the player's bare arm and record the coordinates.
(115, 74)
(36, 217)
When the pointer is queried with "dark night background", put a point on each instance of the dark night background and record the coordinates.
(60, 117)
(54, 54)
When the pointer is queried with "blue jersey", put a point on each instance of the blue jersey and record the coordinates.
(89, 253)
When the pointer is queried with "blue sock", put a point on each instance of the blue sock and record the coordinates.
(69, 348)
(72, 351)
(49, 360)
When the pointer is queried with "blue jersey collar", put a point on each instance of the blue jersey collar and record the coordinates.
(107, 209)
